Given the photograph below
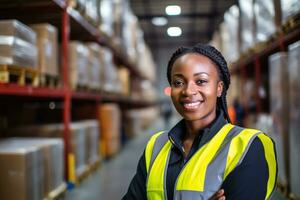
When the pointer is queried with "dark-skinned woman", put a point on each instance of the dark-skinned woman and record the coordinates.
(204, 156)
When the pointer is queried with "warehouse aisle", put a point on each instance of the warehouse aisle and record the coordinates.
(111, 181)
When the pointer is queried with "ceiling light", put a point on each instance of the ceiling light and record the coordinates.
(174, 31)
(159, 21)
(173, 10)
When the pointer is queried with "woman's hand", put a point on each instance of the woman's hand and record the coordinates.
(219, 195)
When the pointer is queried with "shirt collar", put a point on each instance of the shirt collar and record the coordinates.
(176, 134)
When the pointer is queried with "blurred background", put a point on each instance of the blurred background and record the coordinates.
(83, 86)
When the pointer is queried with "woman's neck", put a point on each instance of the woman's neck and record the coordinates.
(194, 127)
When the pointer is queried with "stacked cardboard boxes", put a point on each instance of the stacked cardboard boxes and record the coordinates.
(34, 166)
(47, 48)
(294, 125)
(279, 106)
(109, 117)
(17, 44)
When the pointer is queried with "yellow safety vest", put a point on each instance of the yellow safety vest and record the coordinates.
(207, 169)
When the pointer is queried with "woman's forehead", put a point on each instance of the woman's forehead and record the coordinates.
(194, 61)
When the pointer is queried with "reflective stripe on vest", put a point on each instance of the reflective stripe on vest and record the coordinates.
(205, 172)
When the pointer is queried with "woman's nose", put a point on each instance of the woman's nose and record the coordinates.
(190, 89)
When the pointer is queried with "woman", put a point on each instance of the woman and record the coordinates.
(204, 156)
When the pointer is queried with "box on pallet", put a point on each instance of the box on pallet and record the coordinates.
(247, 24)
(52, 157)
(48, 48)
(106, 10)
(279, 106)
(294, 86)
(17, 44)
(78, 143)
(265, 19)
(95, 66)
(78, 64)
(22, 169)
(92, 141)
(230, 34)
(109, 117)
(109, 75)
(289, 8)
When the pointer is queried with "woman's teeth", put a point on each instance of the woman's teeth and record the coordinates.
(191, 105)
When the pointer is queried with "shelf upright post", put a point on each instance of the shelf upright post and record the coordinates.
(66, 88)
(257, 68)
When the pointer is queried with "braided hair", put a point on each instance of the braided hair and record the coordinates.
(221, 65)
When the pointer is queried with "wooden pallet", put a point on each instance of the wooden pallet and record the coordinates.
(19, 75)
(83, 176)
(47, 80)
(58, 193)
(94, 166)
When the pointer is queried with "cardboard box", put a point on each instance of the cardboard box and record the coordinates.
(109, 116)
(52, 158)
(92, 141)
(95, 66)
(21, 172)
(294, 87)
(48, 48)
(78, 64)
(279, 106)
(17, 29)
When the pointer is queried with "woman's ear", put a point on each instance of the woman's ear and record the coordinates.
(220, 88)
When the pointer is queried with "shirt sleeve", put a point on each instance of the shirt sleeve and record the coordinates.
(137, 187)
(249, 180)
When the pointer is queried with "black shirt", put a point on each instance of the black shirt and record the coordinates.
(248, 181)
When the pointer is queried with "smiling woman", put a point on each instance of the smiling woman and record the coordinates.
(204, 156)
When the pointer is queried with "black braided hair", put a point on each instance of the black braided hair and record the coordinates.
(214, 55)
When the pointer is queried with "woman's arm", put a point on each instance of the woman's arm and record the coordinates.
(137, 187)
(249, 180)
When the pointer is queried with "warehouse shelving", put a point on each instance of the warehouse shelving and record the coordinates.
(71, 25)
(254, 61)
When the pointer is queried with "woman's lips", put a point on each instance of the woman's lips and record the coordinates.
(191, 105)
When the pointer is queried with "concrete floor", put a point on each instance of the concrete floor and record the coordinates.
(111, 181)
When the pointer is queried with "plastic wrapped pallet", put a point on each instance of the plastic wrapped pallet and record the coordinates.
(279, 106)
(231, 36)
(109, 75)
(247, 24)
(264, 12)
(106, 9)
(78, 64)
(48, 48)
(17, 44)
(17, 29)
(145, 61)
(289, 8)
(95, 67)
(91, 11)
(77, 142)
(22, 169)
(294, 85)
(109, 116)
(78, 148)
(92, 141)
(123, 74)
(52, 157)
(129, 34)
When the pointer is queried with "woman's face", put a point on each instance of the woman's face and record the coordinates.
(195, 87)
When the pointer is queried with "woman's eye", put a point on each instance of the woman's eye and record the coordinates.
(177, 83)
(201, 82)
